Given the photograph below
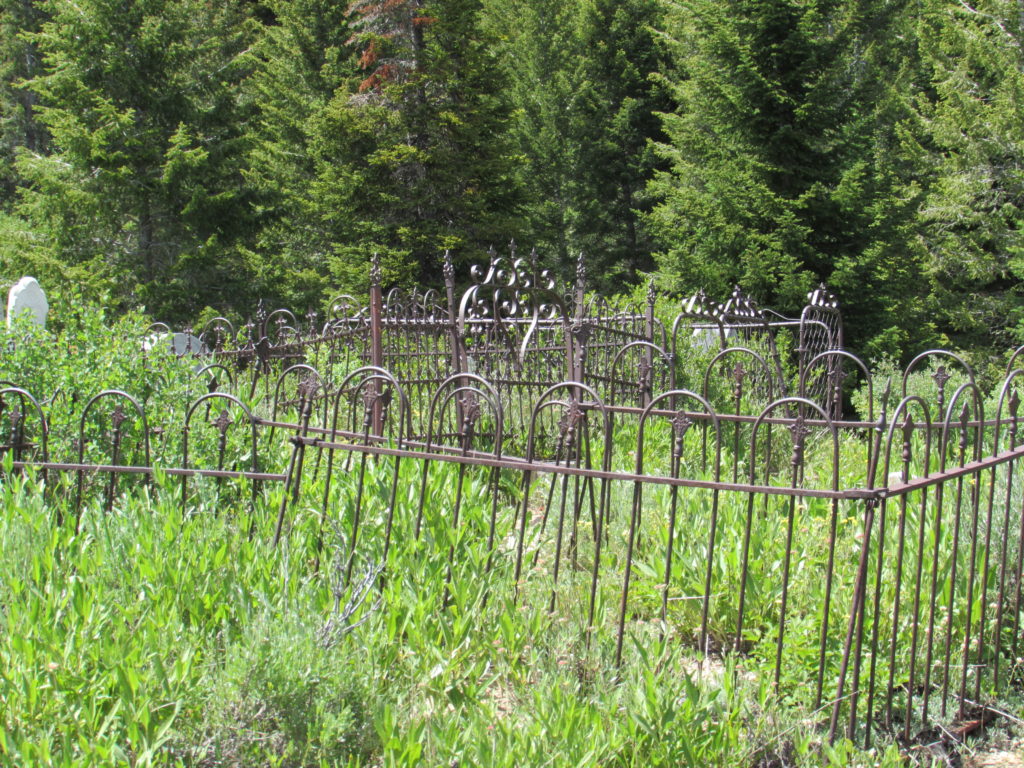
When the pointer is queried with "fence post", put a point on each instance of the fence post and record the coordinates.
(376, 341)
(646, 393)
(854, 640)
(576, 343)
(581, 287)
(453, 317)
(454, 341)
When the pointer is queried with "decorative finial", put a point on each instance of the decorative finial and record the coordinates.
(822, 297)
(886, 395)
(375, 270)
(1014, 405)
(118, 417)
(651, 295)
(908, 435)
(697, 305)
(799, 432)
(581, 272)
(222, 422)
(965, 417)
(447, 268)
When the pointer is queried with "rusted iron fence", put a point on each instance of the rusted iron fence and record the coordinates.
(514, 325)
(724, 508)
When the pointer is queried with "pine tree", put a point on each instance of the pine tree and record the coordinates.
(786, 164)
(973, 66)
(540, 43)
(143, 185)
(618, 121)
(425, 137)
(20, 129)
(304, 195)
(581, 82)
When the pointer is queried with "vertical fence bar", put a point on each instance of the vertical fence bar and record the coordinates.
(376, 338)
(646, 393)
(859, 607)
(1014, 404)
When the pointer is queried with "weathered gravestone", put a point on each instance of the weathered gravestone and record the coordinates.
(710, 337)
(27, 296)
(180, 344)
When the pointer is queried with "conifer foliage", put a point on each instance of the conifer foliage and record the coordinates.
(971, 219)
(20, 129)
(142, 187)
(183, 155)
(781, 174)
(620, 104)
(403, 148)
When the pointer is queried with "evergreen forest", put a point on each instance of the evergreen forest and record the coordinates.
(179, 155)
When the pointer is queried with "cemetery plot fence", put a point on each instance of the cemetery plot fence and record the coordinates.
(516, 326)
(873, 568)
(734, 533)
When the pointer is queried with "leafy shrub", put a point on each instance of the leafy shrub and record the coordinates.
(282, 698)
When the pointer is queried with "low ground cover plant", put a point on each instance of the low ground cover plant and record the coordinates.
(170, 632)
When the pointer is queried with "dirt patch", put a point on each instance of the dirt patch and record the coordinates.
(709, 670)
(996, 757)
(781, 758)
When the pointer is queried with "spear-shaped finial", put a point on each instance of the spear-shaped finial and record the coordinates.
(375, 277)
(447, 267)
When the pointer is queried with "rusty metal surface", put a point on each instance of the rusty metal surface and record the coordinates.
(596, 435)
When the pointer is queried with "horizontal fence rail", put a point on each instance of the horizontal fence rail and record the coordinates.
(872, 568)
(922, 619)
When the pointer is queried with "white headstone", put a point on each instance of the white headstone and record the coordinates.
(709, 337)
(27, 296)
(154, 339)
(180, 344)
(186, 344)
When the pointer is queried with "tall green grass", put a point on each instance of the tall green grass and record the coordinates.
(149, 639)
(158, 635)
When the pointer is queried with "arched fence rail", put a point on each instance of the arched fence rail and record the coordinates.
(903, 533)
(649, 483)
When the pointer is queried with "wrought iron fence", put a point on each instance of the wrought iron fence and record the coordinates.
(515, 325)
(709, 515)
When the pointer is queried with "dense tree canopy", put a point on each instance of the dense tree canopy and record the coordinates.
(782, 170)
(972, 112)
(180, 154)
(142, 185)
